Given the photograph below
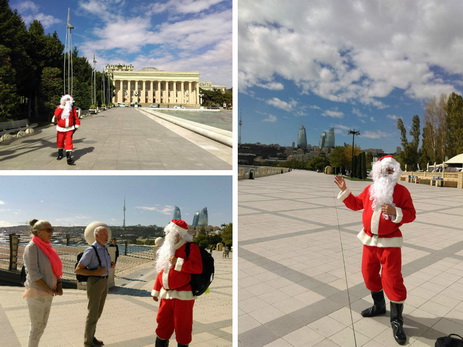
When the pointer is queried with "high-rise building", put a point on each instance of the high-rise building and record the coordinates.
(322, 141)
(203, 218)
(327, 139)
(302, 138)
(329, 142)
(195, 220)
(177, 214)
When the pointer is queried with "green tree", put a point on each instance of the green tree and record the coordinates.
(410, 154)
(51, 85)
(227, 235)
(454, 125)
(338, 159)
(9, 99)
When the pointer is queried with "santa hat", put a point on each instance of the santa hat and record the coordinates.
(178, 226)
(66, 97)
(382, 164)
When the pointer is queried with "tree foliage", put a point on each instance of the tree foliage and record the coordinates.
(410, 154)
(215, 97)
(454, 125)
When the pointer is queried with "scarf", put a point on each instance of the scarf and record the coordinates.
(45, 247)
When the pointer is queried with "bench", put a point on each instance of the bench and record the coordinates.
(14, 129)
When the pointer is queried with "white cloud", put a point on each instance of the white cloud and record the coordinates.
(165, 210)
(393, 117)
(184, 6)
(2, 202)
(29, 12)
(4, 223)
(270, 119)
(392, 45)
(378, 134)
(284, 105)
(334, 114)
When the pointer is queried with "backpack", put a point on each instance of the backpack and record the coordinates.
(449, 341)
(200, 282)
(83, 278)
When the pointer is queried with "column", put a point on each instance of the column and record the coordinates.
(151, 93)
(182, 92)
(189, 93)
(158, 92)
(174, 92)
(129, 92)
(166, 86)
(143, 92)
(197, 94)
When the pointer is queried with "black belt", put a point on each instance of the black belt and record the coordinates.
(101, 276)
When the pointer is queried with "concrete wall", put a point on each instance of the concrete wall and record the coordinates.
(250, 172)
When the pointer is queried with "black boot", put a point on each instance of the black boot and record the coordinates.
(69, 158)
(60, 154)
(180, 345)
(397, 323)
(379, 305)
(161, 343)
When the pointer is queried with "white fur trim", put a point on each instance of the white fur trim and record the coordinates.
(179, 264)
(154, 292)
(165, 279)
(398, 215)
(344, 194)
(61, 129)
(376, 241)
(374, 223)
(176, 294)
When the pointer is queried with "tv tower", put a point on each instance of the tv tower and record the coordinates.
(67, 64)
(123, 222)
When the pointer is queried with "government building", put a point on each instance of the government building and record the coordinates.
(152, 86)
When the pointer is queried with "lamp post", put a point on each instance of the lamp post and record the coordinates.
(353, 133)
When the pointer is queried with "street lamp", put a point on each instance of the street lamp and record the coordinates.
(353, 133)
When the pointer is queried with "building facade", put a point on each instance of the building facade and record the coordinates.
(302, 137)
(152, 86)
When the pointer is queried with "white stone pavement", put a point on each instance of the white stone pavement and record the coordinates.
(129, 316)
(292, 282)
(121, 139)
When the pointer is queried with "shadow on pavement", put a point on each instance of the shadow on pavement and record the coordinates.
(129, 291)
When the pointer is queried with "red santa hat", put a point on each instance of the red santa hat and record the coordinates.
(178, 226)
(383, 163)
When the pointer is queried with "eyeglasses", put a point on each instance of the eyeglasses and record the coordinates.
(50, 230)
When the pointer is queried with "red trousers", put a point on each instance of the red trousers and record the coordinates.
(382, 270)
(63, 137)
(175, 315)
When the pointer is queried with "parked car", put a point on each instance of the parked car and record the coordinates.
(154, 106)
(121, 104)
(178, 107)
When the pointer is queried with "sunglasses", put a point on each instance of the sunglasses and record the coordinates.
(50, 230)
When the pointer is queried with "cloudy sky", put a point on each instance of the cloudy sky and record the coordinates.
(171, 35)
(80, 200)
(344, 64)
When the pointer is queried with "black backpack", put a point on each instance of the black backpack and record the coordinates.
(200, 282)
(23, 275)
(82, 278)
(452, 340)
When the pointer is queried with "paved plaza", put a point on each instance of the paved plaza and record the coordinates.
(292, 278)
(129, 316)
(122, 139)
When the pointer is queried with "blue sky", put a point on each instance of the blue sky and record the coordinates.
(343, 64)
(80, 200)
(171, 35)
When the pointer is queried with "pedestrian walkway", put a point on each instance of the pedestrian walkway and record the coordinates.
(129, 316)
(292, 281)
(120, 139)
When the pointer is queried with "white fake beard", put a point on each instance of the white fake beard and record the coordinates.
(166, 251)
(381, 192)
(67, 110)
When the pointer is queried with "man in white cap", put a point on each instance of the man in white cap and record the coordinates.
(386, 206)
(95, 263)
(67, 122)
(172, 284)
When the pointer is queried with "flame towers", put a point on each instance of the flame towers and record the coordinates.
(302, 137)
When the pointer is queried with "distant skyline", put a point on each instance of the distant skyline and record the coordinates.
(79, 200)
(170, 35)
(344, 65)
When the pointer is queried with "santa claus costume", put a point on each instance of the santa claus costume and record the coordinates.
(172, 285)
(67, 122)
(382, 239)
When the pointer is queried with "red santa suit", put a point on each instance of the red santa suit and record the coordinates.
(382, 240)
(175, 311)
(66, 124)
